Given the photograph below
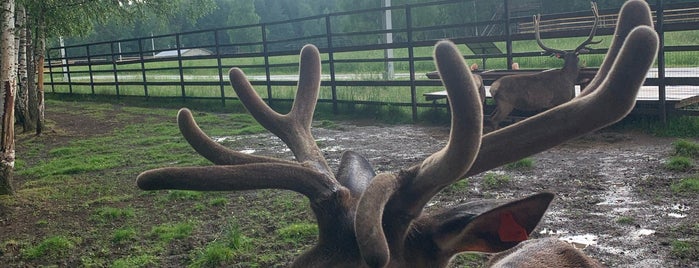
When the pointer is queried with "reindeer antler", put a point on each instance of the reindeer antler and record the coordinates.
(583, 45)
(240, 171)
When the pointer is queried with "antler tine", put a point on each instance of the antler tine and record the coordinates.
(537, 36)
(294, 127)
(589, 41)
(312, 184)
(403, 195)
(632, 14)
(211, 150)
(613, 98)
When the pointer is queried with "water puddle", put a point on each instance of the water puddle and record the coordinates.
(677, 211)
(580, 241)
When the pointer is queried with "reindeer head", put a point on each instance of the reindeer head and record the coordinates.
(376, 220)
(569, 57)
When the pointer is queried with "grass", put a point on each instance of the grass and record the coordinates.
(124, 235)
(689, 185)
(686, 148)
(493, 180)
(144, 260)
(110, 214)
(213, 255)
(676, 126)
(679, 164)
(297, 233)
(522, 164)
(54, 247)
(685, 249)
(170, 231)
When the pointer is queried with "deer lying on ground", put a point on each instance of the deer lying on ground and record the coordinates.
(540, 91)
(378, 220)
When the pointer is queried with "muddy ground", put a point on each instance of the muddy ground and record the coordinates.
(613, 197)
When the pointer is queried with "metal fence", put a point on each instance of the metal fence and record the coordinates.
(360, 65)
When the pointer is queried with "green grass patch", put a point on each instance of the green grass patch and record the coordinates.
(184, 195)
(688, 185)
(492, 180)
(522, 164)
(144, 260)
(213, 255)
(297, 233)
(676, 126)
(218, 202)
(169, 232)
(123, 235)
(460, 185)
(110, 214)
(686, 148)
(685, 249)
(679, 163)
(53, 247)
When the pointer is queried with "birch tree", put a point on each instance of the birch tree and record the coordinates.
(8, 81)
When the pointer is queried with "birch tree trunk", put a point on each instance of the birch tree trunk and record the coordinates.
(40, 52)
(8, 82)
(21, 109)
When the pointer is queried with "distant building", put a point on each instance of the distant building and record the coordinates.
(185, 53)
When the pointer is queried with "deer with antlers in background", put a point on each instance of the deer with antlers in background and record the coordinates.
(540, 91)
(379, 220)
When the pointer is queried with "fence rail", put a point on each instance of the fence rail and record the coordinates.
(357, 65)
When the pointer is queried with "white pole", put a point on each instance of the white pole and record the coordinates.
(152, 44)
(388, 53)
(119, 51)
(64, 61)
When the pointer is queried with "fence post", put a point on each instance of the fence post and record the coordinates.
(89, 69)
(508, 34)
(220, 67)
(179, 65)
(331, 63)
(143, 67)
(411, 57)
(661, 60)
(265, 53)
(114, 69)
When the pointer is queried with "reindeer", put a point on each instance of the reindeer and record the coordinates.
(379, 220)
(540, 91)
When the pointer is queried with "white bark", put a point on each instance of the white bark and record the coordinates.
(8, 84)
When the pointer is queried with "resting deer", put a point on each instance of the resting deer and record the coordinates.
(540, 91)
(378, 220)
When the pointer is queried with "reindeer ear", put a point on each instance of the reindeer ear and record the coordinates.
(495, 230)
(355, 172)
